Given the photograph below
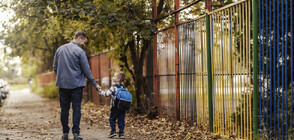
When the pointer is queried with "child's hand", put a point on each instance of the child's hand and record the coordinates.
(97, 87)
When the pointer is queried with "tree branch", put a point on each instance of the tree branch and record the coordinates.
(160, 7)
(143, 52)
(134, 54)
(45, 49)
(124, 60)
(47, 44)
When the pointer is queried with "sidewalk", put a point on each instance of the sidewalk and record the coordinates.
(29, 116)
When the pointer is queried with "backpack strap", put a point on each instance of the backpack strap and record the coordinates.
(115, 101)
(120, 85)
(117, 87)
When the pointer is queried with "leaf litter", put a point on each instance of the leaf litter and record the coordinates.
(140, 127)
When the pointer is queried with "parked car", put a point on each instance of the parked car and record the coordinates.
(6, 88)
(0, 101)
(1, 91)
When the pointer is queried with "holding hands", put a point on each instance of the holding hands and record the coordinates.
(97, 87)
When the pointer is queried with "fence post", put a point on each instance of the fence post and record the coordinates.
(177, 4)
(255, 69)
(209, 73)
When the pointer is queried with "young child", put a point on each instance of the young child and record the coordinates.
(115, 113)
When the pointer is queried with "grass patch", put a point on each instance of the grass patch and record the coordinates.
(19, 86)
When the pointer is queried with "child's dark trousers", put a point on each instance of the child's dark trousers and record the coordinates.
(119, 115)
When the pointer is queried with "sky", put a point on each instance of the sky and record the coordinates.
(5, 16)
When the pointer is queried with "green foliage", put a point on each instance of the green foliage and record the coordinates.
(242, 114)
(9, 72)
(35, 87)
(19, 86)
(50, 90)
(244, 101)
(29, 70)
(40, 27)
(6, 74)
(125, 26)
(221, 3)
(121, 21)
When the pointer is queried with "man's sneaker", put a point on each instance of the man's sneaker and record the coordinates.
(77, 137)
(112, 134)
(65, 136)
(121, 135)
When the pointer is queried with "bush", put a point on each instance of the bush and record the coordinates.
(50, 90)
(34, 87)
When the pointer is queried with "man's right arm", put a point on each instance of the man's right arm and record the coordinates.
(86, 69)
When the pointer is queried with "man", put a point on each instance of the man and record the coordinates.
(71, 67)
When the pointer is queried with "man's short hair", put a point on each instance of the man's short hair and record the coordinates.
(121, 76)
(80, 34)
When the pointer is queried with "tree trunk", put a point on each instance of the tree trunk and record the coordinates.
(138, 62)
(148, 88)
(138, 85)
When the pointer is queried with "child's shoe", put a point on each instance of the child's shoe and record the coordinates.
(112, 134)
(121, 135)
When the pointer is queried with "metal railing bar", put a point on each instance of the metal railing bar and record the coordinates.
(274, 68)
(291, 119)
(227, 6)
(178, 10)
(197, 18)
(250, 72)
(166, 28)
(180, 23)
(247, 65)
(159, 75)
(270, 68)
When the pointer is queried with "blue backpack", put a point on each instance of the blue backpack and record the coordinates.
(123, 99)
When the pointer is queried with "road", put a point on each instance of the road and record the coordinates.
(29, 116)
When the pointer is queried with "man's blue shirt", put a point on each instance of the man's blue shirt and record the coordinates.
(71, 66)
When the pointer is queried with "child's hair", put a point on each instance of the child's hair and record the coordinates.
(120, 75)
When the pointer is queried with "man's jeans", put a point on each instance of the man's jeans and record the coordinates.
(120, 116)
(75, 96)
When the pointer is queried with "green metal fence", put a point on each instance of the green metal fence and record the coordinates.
(231, 69)
(235, 70)
(215, 70)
